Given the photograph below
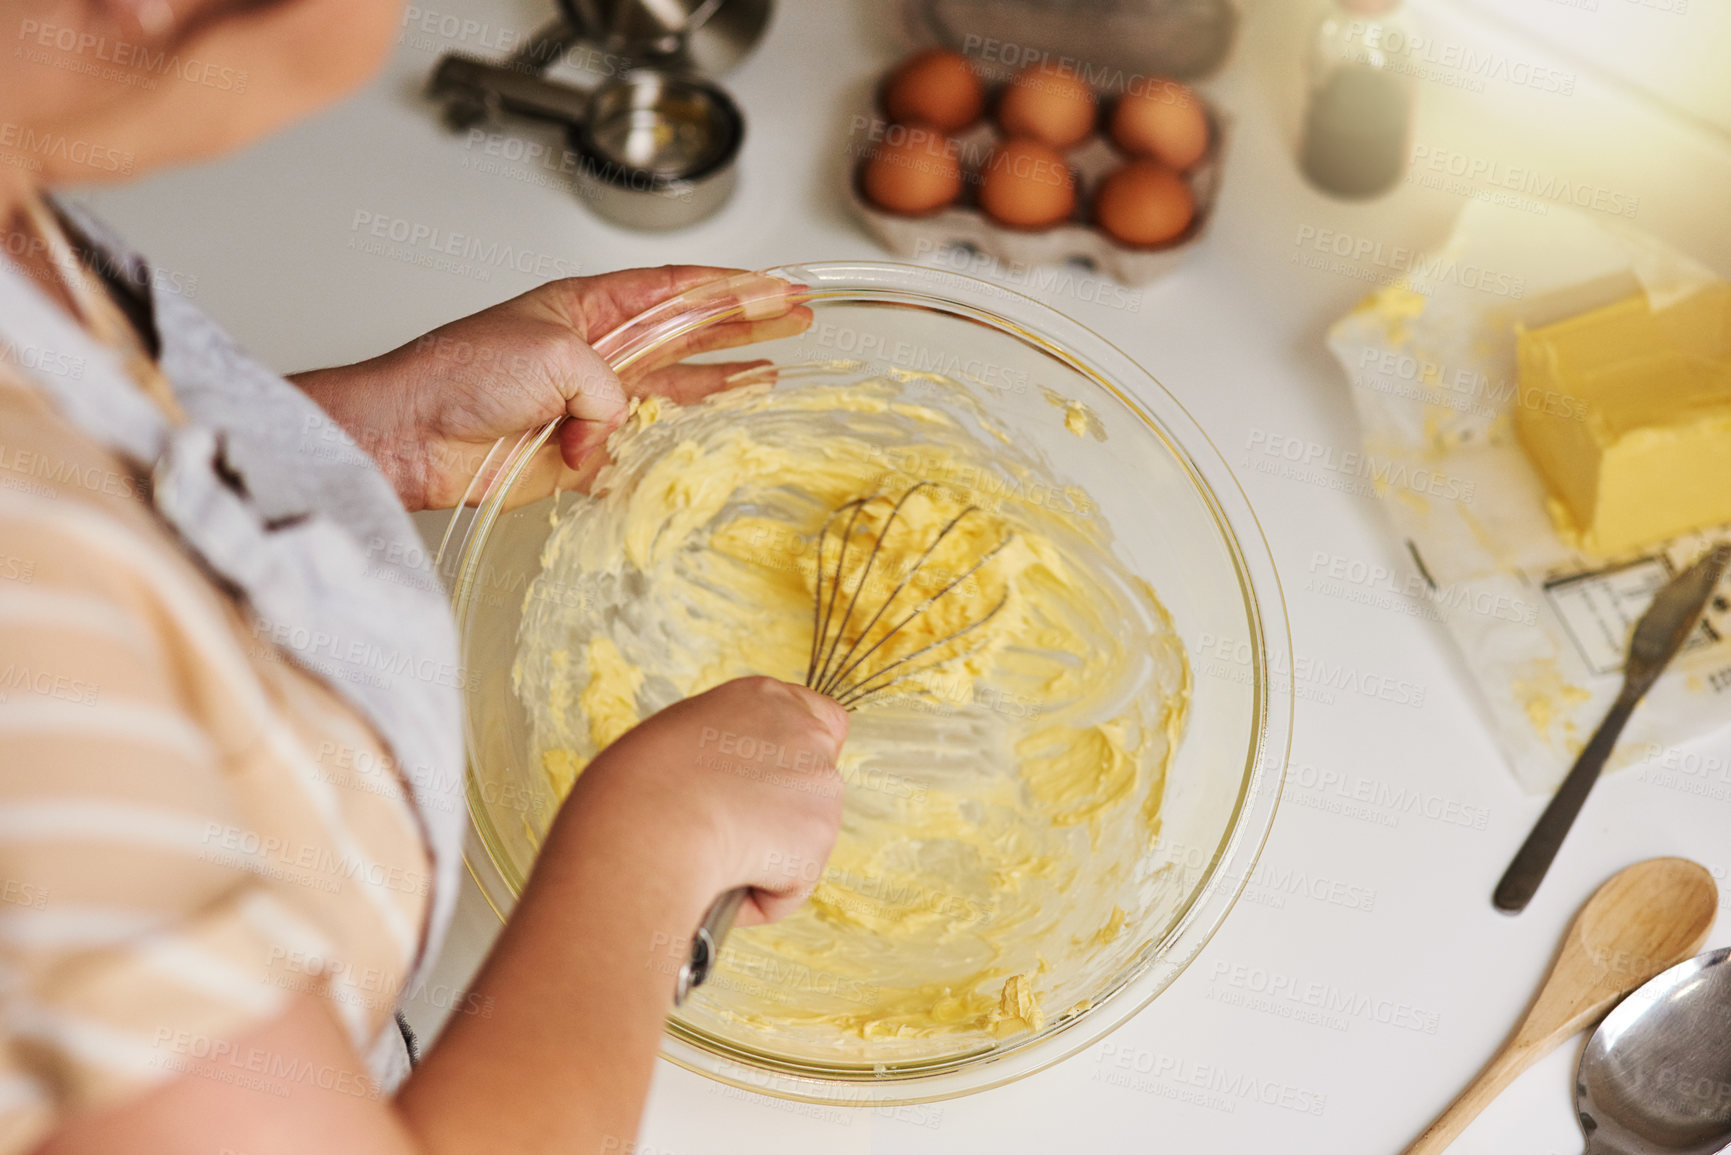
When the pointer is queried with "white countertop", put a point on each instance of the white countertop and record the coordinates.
(1236, 335)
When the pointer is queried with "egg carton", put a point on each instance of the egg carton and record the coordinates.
(963, 225)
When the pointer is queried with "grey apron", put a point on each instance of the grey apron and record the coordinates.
(269, 492)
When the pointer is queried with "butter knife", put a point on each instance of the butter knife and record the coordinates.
(1658, 636)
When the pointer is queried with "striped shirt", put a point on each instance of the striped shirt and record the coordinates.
(192, 827)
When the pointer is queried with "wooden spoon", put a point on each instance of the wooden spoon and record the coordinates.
(1648, 918)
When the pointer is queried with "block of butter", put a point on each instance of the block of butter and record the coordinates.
(1626, 413)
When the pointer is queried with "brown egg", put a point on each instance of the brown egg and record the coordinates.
(913, 171)
(1164, 120)
(1048, 104)
(1143, 204)
(936, 87)
(1027, 184)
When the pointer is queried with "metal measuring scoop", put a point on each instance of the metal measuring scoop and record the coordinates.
(1655, 1078)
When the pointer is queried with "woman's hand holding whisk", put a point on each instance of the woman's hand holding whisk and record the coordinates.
(735, 787)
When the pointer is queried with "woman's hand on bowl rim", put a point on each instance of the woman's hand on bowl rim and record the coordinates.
(430, 411)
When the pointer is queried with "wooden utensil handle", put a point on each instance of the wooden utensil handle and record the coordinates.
(1489, 1083)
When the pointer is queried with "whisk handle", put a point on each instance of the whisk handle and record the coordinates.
(706, 943)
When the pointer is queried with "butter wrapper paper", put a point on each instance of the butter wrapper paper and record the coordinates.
(1542, 627)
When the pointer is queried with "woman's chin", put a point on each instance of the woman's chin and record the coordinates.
(253, 80)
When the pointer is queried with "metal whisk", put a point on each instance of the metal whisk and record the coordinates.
(849, 661)
(848, 658)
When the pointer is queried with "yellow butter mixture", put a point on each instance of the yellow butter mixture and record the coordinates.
(1001, 804)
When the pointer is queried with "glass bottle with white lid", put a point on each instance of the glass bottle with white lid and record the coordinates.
(1359, 113)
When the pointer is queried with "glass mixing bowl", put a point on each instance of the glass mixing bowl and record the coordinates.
(1178, 520)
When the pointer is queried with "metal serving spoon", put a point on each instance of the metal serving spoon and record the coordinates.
(1655, 1078)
